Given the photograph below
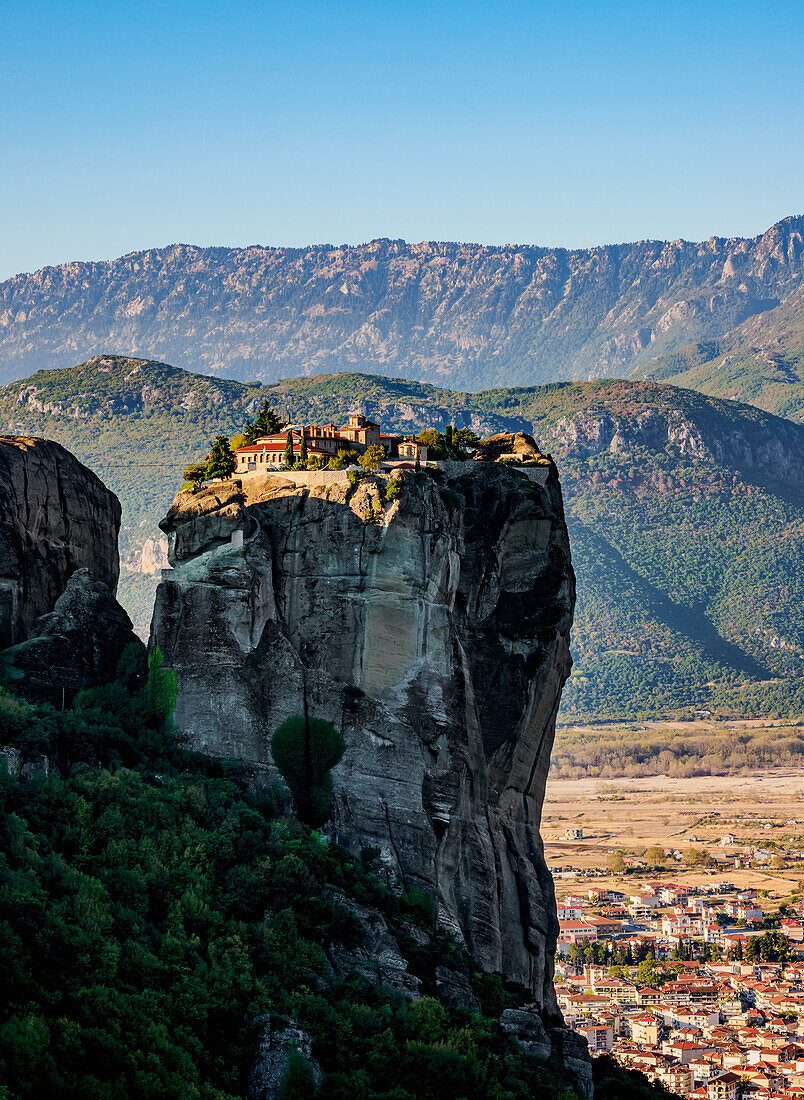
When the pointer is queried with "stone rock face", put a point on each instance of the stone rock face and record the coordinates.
(56, 517)
(434, 631)
(280, 1036)
(553, 1045)
(510, 443)
(78, 644)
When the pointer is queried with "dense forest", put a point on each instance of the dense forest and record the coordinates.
(154, 915)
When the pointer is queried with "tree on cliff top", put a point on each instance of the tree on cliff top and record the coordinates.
(289, 450)
(221, 462)
(305, 750)
(267, 422)
(372, 457)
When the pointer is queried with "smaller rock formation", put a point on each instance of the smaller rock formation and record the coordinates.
(511, 445)
(77, 645)
(555, 1046)
(56, 516)
(58, 571)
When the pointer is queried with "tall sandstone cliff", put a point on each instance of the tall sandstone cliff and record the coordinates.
(433, 630)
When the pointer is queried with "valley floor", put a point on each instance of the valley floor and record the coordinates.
(761, 812)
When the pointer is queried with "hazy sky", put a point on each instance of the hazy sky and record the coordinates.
(131, 125)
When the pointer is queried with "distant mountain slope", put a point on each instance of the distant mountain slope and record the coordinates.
(686, 513)
(468, 315)
(760, 362)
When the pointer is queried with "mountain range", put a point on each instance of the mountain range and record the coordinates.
(685, 512)
(464, 315)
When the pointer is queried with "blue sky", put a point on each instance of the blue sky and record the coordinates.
(132, 125)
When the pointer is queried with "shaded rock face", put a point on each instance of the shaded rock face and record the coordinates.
(279, 1039)
(434, 631)
(553, 1045)
(56, 516)
(78, 644)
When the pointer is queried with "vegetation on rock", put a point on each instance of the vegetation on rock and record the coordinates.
(306, 750)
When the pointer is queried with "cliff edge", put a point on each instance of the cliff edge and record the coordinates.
(433, 629)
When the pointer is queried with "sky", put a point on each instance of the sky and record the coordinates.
(133, 125)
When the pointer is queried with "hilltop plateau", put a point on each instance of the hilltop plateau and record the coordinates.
(685, 512)
(468, 315)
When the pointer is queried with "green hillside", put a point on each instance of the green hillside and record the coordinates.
(686, 513)
(761, 362)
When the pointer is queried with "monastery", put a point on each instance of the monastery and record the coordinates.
(324, 442)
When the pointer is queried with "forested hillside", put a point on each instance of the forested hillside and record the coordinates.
(686, 513)
(469, 315)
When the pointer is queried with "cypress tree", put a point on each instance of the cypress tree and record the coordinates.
(221, 462)
(268, 423)
(303, 448)
(289, 450)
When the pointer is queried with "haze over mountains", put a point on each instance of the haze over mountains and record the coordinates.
(686, 513)
(463, 315)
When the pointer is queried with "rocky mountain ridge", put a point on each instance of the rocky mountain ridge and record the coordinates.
(469, 315)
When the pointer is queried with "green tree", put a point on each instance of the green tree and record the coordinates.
(372, 458)
(195, 472)
(649, 974)
(289, 450)
(162, 687)
(615, 862)
(250, 432)
(221, 462)
(434, 442)
(305, 750)
(267, 422)
(464, 440)
(303, 450)
(297, 1081)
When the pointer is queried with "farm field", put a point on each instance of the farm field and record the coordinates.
(763, 810)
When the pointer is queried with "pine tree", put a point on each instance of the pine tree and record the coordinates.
(221, 462)
(268, 423)
(289, 450)
(250, 432)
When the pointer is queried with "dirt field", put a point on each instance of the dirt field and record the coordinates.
(764, 810)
